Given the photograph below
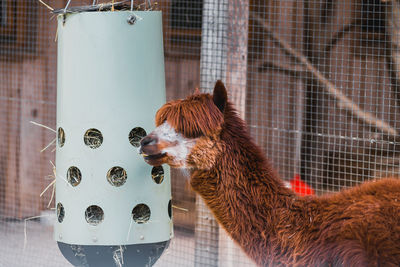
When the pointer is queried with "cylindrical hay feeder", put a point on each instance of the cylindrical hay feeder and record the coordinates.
(112, 208)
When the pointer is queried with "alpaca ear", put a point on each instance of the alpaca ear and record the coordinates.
(220, 96)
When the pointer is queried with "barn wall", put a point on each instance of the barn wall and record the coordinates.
(27, 93)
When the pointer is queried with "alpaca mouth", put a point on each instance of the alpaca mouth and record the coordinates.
(154, 157)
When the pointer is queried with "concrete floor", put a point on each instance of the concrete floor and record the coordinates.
(42, 251)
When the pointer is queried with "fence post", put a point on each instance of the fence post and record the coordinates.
(223, 56)
(212, 67)
(236, 82)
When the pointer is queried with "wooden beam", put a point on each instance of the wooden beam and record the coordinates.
(212, 68)
(31, 180)
(10, 107)
(223, 56)
(237, 50)
(230, 254)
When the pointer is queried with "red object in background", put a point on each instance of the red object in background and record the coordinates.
(300, 187)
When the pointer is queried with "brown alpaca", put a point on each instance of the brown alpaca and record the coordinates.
(274, 226)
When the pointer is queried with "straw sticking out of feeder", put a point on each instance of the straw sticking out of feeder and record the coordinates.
(118, 257)
(46, 5)
(51, 143)
(28, 219)
(48, 128)
(179, 208)
(47, 188)
(111, 6)
(44, 126)
(52, 183)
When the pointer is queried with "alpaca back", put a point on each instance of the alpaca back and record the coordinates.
(360, 223)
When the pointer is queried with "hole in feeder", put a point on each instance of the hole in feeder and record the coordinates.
(60, 212)
(61, 136)
(141, 213)
(74, 176)
(116, 176)
(94, 215)
(93, 138)
(136, 135)
(157, 173)
(170, 209)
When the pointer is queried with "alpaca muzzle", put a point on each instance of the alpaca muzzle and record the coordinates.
(148, 145)
(150, 150)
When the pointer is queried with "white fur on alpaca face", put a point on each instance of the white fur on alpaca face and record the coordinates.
(179, 147)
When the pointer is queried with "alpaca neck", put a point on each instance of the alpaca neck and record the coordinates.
(243, 191)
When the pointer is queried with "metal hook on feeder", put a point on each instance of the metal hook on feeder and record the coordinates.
(131, 5)
(94, 2)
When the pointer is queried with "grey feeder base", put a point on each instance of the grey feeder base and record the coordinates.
(138, 255)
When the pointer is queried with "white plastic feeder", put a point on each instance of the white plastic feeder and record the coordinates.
(112, 207)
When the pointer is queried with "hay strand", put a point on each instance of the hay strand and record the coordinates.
(52, 183)
(47, 187)
(110, 6)
(44, 126)
(46, 5)
(46, 147)
(118, 256)
(28, 219)
(129, 230)
(179, 208)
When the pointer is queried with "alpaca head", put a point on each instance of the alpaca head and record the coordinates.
(188, 131)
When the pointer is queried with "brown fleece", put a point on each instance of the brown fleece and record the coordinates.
(275, 227)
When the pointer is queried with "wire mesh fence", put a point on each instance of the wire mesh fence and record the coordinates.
(316, 81)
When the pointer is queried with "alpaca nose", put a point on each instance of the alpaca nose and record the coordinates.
(148, 140)
(148, 145)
